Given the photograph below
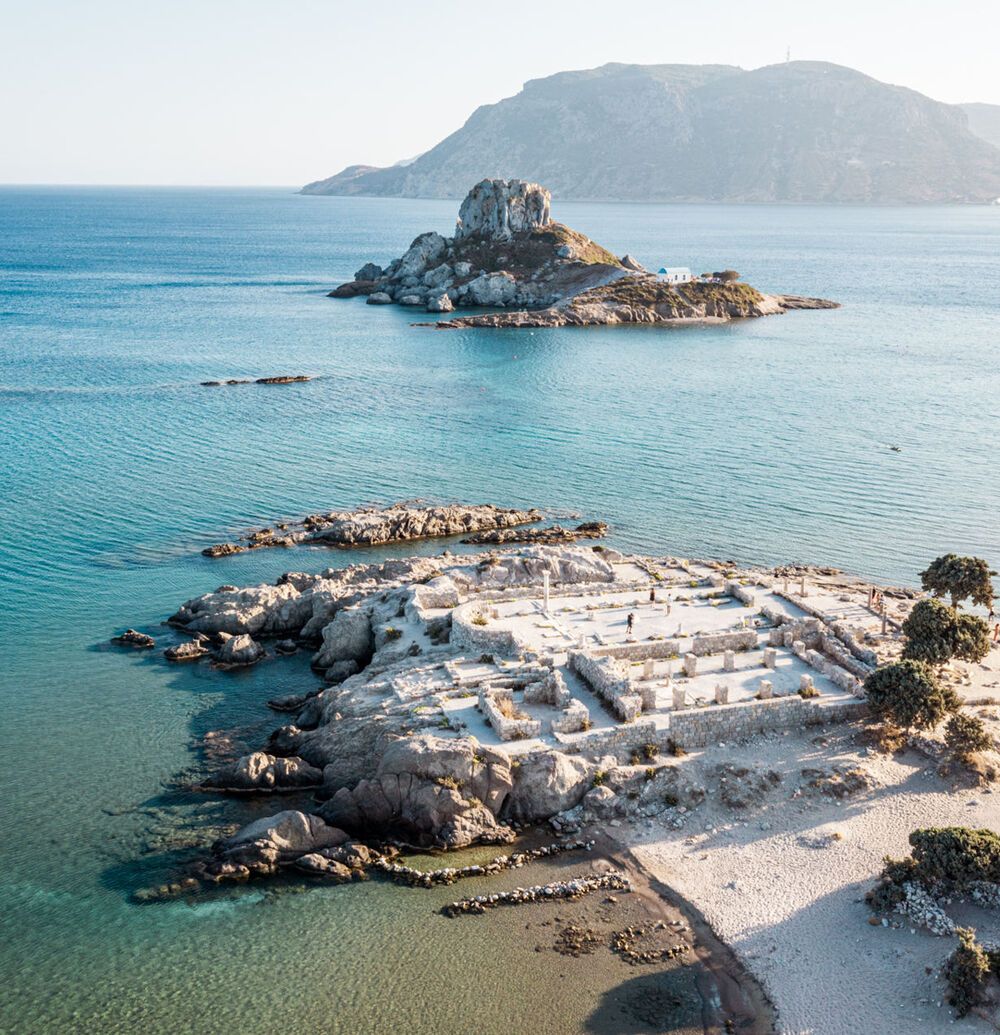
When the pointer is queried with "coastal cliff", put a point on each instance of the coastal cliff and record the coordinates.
(507, 253)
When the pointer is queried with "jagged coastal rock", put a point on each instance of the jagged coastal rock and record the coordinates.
(460, 702)
(508, 253)
(375, 526)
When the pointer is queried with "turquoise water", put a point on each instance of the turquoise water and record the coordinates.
(765, 441)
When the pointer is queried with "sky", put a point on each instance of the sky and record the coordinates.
(219, 92)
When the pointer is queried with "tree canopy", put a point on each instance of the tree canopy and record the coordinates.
(960, 578)
(936, 633)
(908, 694)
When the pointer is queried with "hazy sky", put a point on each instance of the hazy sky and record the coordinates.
(254, 92)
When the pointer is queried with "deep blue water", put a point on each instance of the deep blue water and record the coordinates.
(764, 441)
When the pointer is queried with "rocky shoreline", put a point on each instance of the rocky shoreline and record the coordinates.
(508, 254)
(377, 526)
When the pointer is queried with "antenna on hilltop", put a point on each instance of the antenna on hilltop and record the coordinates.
(788, 55)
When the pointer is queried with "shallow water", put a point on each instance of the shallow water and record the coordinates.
(765, 441)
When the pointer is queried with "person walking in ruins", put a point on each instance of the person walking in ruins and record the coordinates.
(629, 622)
(652, 595)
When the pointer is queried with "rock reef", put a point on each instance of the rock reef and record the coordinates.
(507, 253)
(376, 526)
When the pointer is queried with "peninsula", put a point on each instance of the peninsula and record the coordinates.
(508, 254)
(758, 739)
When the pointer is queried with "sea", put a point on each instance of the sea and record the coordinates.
(764, 441)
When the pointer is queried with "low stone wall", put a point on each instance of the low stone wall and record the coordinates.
(618, 739)
(552, 689)
(574, 718)
(643, 650)
(745, 639)
(726, 723)
(506, 728)
(835, 647)
(744, 594)
(489, 638)
(606, 678)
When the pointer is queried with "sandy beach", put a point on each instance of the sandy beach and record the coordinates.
(782, 882)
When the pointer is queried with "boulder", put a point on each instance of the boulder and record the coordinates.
(439, 277)
(547, 782)
(189, 651)
(430, 790)
(263, 772)
(279, 838)
(490, 289)
(286, 647)
(133, 638)
(426, 251)
(630, 262)
(240, 650)
(463, 269)
(441, 304)
(347, 638)
(498, 209)
(378, 298)
(317, 865)
(411, 300)
(370, 271)
(341, 670)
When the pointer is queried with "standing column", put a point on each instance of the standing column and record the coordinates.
(545, 586)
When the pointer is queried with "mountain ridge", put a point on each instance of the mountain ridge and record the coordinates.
(799, 131)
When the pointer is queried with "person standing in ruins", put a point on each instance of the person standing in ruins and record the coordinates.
(629, 622)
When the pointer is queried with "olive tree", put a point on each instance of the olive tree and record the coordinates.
(908, 694)
(960, 578)
(935, 633)
(966, 735)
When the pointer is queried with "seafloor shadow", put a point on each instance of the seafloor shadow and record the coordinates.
(657, 1002)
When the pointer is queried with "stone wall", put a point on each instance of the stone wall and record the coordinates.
(613, 741)
(726, 723)
(506, 728)
(490, 638)
(745, 639)
(640, 651)
(744, 594)
(608, 680)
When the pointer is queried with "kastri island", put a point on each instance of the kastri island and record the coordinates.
(797, 764)
(508, 254)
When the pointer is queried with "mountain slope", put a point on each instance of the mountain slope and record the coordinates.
(799, 131)
(984, 121)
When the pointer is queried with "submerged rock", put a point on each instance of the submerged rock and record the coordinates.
(190, 651)
(133, 638)
(279, 838)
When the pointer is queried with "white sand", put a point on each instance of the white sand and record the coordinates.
(795, 914)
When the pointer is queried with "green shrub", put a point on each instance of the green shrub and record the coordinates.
(391, 633)
(961, 578)
(650, 772)
(808, 691)
(599, 777)
(936, 633)
(966, 972)
(650, 750)
(955, 855)
(966, 735)
(907, 694)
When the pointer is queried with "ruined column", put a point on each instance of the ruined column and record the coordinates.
(545, 589)
(766, 690)
(770, 657)
(679, 698)
(805, 681)
(721, 694)
(776, 637)
(729, 661)
(690, 664)
(647, 669)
